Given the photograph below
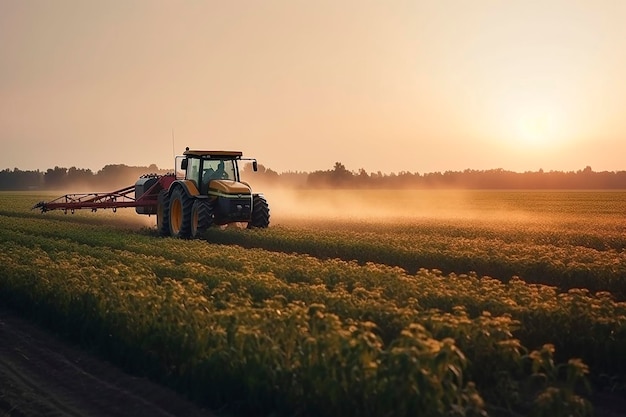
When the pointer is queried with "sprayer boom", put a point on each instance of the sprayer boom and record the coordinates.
(143, 196)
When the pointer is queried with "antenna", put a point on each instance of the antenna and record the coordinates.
(173, 150)
(173, 146)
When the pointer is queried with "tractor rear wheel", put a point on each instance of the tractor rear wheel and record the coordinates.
(260, 213)
(201, 217)
(163, 213)
(180, 213)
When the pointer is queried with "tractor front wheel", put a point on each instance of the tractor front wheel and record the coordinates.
(201, 217)
(260, 212)
(180, 213)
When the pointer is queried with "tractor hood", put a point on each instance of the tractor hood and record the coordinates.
(228, 188)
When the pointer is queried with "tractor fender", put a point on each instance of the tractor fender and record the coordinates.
(188, 186)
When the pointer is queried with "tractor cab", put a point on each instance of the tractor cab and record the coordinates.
(203, 167)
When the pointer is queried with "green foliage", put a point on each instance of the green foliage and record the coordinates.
(556, 395)
(578, 255)
(272, 332)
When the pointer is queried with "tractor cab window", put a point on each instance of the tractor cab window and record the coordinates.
(214, 169)
(193, 170)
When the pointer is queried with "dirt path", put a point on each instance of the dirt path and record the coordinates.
(43, 376)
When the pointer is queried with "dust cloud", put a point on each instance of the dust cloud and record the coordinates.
(309, 207)
(393, 206)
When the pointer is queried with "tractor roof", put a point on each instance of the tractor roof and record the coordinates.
(213, 154)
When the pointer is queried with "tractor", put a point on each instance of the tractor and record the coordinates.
(205, 190)
(211, 193)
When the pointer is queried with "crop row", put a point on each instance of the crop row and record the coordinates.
(534, 258)
(545, 312)
(296, 334)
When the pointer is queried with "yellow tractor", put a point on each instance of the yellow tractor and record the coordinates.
(209, 193)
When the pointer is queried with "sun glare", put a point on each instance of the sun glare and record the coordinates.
(535, 129)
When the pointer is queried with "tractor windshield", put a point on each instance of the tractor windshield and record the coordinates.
(218, 169)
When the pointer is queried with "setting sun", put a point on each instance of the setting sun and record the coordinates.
(535, 124)
(535, 129)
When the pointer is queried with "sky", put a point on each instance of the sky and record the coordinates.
(390, 86)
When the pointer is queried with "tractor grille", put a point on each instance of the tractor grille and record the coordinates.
(235, 209)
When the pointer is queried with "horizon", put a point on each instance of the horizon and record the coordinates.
(354, 171)
(422, 86)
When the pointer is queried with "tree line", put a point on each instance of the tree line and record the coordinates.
(118, 176)
(57, 178)
(340, 177)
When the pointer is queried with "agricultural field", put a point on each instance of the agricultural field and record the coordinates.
(363, 303)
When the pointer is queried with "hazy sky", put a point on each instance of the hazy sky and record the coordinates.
(416, 86)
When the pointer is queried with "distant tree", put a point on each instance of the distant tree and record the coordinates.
(340, 176)
(262, 176)
(79, 176)
(319, 179)
(55, 178)
(120, 175)
(20, 180)
(362, 179)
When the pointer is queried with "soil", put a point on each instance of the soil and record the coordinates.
(42, 375)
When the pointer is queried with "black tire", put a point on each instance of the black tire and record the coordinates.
(163, 213)
(180, 213)
(201, 217)
(260, 212)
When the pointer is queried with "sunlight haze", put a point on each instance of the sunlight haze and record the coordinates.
(417, 86)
